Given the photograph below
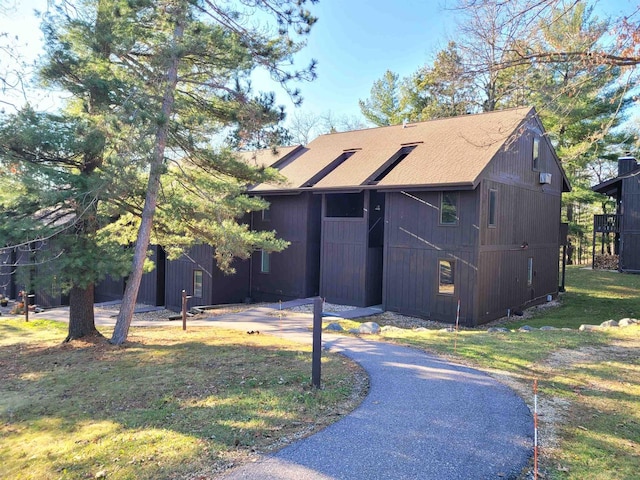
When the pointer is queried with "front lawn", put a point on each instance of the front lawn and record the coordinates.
(169, 404)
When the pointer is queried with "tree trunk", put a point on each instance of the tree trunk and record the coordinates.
(81, 318)
(127, 307)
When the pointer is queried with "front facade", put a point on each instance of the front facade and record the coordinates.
(453, 216)
(446, 219)
(625, 223)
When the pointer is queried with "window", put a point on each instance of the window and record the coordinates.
(345, 205)
(449, 208)
(265, 262)
(446, 274)
(197, 283)
(266, 215)
(493, 198)
(529, 271)
(536, 153)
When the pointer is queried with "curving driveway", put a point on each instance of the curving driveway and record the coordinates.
(424, 418)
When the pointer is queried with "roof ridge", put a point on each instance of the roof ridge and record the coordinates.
(431, 120)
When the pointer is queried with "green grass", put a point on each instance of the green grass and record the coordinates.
(594, 376)
(592, 297)
(167, 405)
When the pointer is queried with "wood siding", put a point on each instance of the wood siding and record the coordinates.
(108, 290)
(294, 272)
(152, 284)
(415, 242)
(630, 235)
(217, 287)
(7, 277)
(344, 260)
(527, 226)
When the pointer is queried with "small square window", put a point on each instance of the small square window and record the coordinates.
(449, 208)
(265, 262)
(536, 154)
(493, 198)
(529, 271)
(446, 277)
(197, 283)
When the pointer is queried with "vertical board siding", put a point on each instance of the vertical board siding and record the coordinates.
(415, 242)
(630, 236)
(109, 289)
(527, 225)
(7, 260)
(505, 286)
(148, 291)
(344, 260)
(294, 271)
(180, 277)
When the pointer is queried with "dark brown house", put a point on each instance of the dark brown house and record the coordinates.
(197, 274)
(625, 223)
(419, 217)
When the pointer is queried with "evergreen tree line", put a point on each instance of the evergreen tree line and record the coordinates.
(556, 56)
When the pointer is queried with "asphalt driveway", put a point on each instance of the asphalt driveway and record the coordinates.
(424, 418)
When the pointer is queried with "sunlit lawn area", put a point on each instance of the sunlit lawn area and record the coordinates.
(174, 405)
(594, 377)
(167, 405)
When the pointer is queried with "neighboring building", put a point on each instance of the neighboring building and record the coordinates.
(152, 284)
(418, 217)
(625, 223)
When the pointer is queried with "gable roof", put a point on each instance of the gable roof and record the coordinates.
(610, 187)
(450, 152)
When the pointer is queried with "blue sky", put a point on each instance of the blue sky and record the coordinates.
(354, 41)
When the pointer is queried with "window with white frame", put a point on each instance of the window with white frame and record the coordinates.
(493, 199)
(265, 262)
(446, 276)
(197, 283)
(449, 208)
(536, 154)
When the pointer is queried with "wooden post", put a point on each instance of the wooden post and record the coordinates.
(25, 302)
(317, 342)
(564, 268)
(184, 309)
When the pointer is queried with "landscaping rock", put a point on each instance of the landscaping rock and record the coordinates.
(627, 322)
(420, 329)
(369, 328)
(334, 327)
(497, 329)
(526, 328)
(448, 329)
(588, 328)
(547, 328)
(609, 323)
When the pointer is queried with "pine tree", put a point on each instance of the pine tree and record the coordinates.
(152, 84)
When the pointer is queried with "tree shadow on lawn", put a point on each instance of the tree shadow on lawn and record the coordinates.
(199, 397)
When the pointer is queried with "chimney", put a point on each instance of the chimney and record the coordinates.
(626, 164)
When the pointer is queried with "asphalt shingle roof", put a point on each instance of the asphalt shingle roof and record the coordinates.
(450, 151)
